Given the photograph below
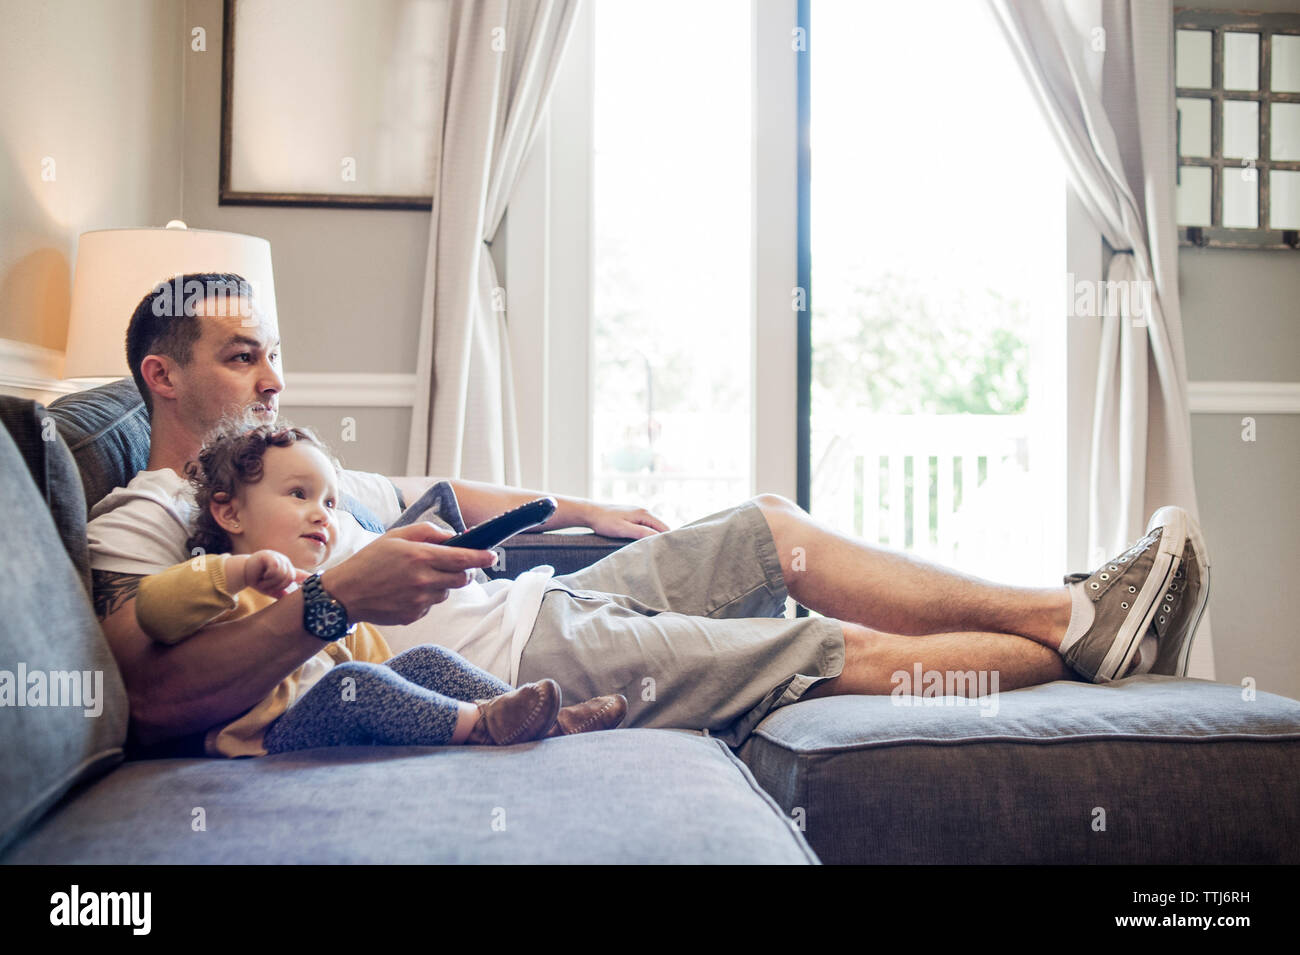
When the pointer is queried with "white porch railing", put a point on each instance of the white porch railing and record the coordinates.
(926, 484)
(696, 456)
(675, 497)
(950, 488)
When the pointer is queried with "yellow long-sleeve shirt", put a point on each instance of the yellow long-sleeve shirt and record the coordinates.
(183, 599)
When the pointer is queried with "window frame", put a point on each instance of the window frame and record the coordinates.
(548, 238)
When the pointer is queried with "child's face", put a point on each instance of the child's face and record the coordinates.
(291, 509)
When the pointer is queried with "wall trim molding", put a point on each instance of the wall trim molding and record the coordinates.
(27, 367)
(349, 389)
(1243, 397)
(31, 367)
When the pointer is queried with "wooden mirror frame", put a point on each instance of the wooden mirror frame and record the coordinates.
(1266, 25)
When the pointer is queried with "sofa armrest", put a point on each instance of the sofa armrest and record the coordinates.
(566, 552)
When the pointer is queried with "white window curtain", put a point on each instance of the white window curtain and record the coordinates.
(1102, 72)
(502, 60)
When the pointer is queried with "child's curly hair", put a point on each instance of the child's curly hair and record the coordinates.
(231, 459)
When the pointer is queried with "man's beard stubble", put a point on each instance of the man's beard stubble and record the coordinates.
(240, 416)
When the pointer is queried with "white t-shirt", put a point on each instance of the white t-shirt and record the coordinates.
(142, 529)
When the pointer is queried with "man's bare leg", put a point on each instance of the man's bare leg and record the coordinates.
(872, 657)
(892, 595)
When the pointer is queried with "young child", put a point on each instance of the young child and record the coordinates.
(266, 500)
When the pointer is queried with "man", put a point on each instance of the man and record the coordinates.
(687, 623)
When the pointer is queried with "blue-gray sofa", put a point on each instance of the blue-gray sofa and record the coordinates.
(1149, 769)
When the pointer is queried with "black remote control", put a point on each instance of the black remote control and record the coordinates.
(491, 532)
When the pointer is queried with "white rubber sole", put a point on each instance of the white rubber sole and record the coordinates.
(1169, 555)
(1203, 556)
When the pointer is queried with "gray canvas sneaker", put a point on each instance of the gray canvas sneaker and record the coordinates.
(1181, 606)
(1126, 594)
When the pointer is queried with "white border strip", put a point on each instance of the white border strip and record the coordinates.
(28, 367)
(1243, 397)
(348, 389)
(31, 367)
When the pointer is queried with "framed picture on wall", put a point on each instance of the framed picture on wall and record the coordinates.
(332, 104)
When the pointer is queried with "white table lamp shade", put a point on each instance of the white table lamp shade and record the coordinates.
(116, 268)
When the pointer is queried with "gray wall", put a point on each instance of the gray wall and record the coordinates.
(92, 85)
(1242, 323)
(113, 92)
(1250, 513)
(1241, 320)
(348, 282)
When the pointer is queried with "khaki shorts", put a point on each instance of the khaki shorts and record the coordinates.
(689, 625)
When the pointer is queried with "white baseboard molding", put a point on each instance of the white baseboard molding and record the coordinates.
(1243, 397)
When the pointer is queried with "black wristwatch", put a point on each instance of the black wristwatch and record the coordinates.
(322, 615)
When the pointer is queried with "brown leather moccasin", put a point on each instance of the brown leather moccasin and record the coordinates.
(598, 713)
(524, 714)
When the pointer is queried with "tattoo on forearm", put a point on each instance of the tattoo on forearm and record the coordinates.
(112, 590)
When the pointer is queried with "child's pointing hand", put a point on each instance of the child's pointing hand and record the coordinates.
(271, 573)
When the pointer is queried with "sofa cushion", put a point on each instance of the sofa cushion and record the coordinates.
(635, 795)
(439, 507)
(1177, 770)
(53, 471)
(49, 634)
(107, 430)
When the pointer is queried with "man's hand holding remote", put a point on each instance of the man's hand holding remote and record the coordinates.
(398, 577)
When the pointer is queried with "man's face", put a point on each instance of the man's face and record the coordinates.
(234, 369)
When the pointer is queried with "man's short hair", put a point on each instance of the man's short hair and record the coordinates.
(164, 323)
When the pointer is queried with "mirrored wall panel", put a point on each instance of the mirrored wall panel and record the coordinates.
(1237, 78)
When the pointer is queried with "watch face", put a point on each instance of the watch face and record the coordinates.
(328, 619)
(322, 614)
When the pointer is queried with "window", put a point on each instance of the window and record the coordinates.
(664, 198)
(671, 234)
(938, 240)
